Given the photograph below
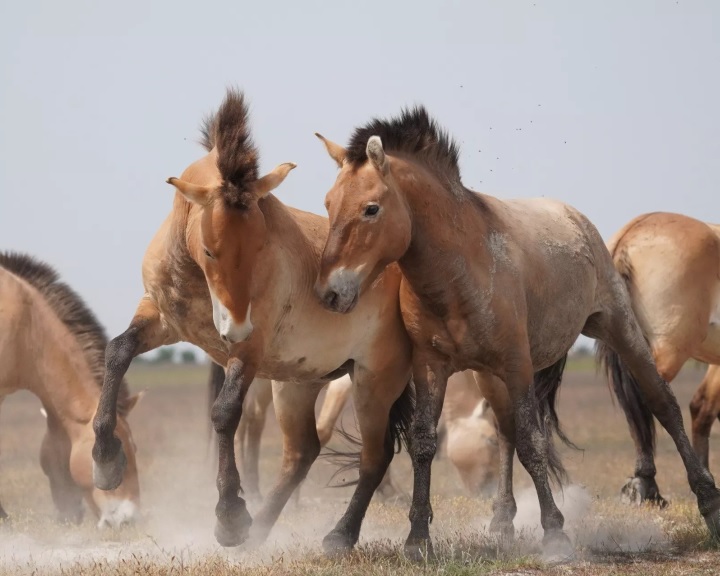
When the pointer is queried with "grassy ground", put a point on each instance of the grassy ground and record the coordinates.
(177, 477)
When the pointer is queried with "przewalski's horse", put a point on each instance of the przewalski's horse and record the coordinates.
(503, 287)
(671, 266)
(232, 270)
(52, 345)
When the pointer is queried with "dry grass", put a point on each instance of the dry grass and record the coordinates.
(179, 496)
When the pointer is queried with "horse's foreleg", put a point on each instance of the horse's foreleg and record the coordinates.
(336, 396)
(250, 434)
(430, 375)
(233, 519)
(504, 506)
(624, 336)
(145, 333)
(704, 408)
(295, 412)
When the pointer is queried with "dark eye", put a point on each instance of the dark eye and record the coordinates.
(371, 209)
(207, 253)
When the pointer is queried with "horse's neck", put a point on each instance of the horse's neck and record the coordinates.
(62, 379)
(443, 222)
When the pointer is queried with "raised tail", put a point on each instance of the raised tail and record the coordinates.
(547, 385)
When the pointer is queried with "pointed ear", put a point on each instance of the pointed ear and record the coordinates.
(337, 152)
(376, 154)
(133, 400)
(200, 195)
(273, 179)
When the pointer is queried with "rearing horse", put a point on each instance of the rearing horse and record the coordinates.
(232, 270)
(504, 287)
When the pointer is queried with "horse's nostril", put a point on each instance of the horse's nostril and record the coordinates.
(331, 298)
(223, 337)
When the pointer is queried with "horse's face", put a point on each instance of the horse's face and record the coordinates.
(369, 227)
(69, 466)
(227, 247)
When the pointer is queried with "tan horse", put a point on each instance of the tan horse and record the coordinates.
(503, 287)
(52, 345)
(671, 266)
(232, 270)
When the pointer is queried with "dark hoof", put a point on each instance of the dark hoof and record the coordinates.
(109, 475)
(230, 532)
(337, 544)
(712, 521)
(557, 547)
(640, 490)
(419, 550)
(502, 529)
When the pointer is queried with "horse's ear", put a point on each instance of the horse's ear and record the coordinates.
(273, 179)
(337, 152)
(200, 195)
(376, 154)
(133, 400)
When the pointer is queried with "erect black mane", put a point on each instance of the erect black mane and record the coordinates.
(228, 129)
(413, 132)
(71, 310)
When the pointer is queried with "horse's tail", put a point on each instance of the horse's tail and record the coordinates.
(216, 378)
(398, 436)
(547, 385)
(627, 390)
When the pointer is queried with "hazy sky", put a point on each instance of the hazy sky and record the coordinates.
(612, 106)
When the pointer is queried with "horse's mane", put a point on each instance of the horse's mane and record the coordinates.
(228, 129)
(413, 132)
(72, 311)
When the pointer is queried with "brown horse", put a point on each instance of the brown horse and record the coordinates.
(232, 270)
(52, 345)
(671, 266)
(503, 287)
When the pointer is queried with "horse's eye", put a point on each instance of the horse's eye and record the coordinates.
(371, 209)
(207, 253)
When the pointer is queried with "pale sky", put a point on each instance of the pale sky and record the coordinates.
(612, 106)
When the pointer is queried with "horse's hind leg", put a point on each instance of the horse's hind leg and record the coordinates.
(704, 408)
(145, 333)
(504, 506)
(621, 332)
(378, 397)
(295, 412)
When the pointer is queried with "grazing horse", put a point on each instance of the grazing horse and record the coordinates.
(671, 266)
(500, 287)
(232, 270)
(52, 345)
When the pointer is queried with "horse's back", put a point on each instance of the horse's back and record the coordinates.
(16, 303)
(671, 264)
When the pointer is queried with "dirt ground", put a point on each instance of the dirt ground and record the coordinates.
(178, 490)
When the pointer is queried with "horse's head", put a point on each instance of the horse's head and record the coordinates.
(231, 230)
(66, 457)
(370, 225)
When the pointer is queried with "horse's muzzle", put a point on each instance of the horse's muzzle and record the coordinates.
(341, 291)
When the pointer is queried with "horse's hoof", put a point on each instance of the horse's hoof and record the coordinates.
(419, 550)
(233, 531)
(108, 475)
(557, 547)
(640, 490)
(712, 521)
(337, 544)
(502, 529)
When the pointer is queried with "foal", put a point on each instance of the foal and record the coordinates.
(503, 287)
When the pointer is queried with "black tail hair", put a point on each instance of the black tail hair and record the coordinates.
(398, 436)
(547, 385)
(627, 390)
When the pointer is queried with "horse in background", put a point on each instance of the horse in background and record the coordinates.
(670, 265)
(52, 345)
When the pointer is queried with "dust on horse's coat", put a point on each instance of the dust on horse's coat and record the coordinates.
(52, 345)
(670, 264)
(232, 271)
(503, 287)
